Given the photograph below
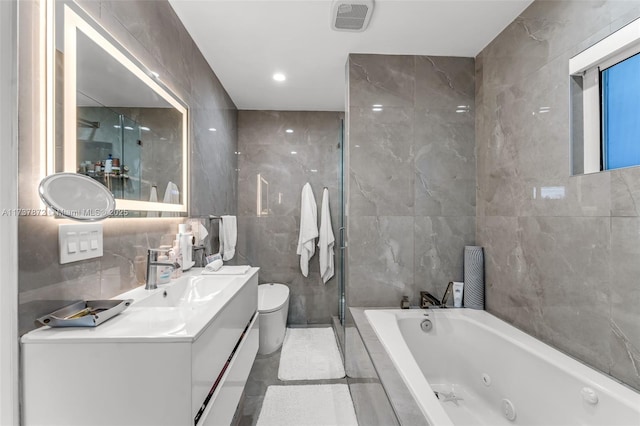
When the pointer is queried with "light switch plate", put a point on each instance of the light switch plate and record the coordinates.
(79, 241)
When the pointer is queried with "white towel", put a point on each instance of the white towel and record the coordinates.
(228, 270)
(228, 236)
(153, 198)
(326, 240)
(171, 196)
(308, 228)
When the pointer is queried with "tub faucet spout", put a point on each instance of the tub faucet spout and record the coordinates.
(428, 300)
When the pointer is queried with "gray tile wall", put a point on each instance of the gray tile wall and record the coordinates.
(153, 33)
(412, 168)
(270, 241)
(561, 252)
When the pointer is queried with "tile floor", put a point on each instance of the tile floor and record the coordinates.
(370, 401)
(264, 373)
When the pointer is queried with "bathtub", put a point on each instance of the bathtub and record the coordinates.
(470, 368)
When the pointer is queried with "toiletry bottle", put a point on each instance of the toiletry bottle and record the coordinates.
(185, 241)
(458, 288)
(164, 272)
(177, 258)
(404, 304)
(172, 259)
(108, 164)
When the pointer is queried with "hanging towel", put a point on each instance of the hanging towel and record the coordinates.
(308, 228)
(326, 240)
(228, 236)
(171, 196)
(153, 198)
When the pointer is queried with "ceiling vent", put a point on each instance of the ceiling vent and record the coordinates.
(351, 15)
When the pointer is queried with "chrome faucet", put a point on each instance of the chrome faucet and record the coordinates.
(428, 300)
(152, 267)
(447, 293)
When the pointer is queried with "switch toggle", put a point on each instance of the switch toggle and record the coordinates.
(72, 242)
(84, 241)
(79, 241)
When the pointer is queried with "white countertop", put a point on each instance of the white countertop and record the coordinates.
(161, 324)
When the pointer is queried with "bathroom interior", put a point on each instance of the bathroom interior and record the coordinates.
(435, 127)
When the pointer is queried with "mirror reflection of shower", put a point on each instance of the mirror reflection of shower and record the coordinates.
(106, 134)
(262, 196)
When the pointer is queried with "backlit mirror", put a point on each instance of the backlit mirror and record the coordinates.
(115, 121)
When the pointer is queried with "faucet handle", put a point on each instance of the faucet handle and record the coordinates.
(447, 293)
(152, 253)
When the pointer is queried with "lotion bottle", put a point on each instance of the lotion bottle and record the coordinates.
(458, 288)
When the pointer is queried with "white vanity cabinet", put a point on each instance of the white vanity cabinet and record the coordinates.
(149, 365)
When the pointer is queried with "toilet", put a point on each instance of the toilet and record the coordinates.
(273, 307)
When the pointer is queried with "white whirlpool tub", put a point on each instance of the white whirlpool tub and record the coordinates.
(472, 368)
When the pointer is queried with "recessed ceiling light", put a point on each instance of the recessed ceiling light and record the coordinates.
(314, 170)
(146, 129)
(128, 127)
(212, 129)
(293, 152)
(376, 109)
(279, 77)
(116, 126)
(289, 130)
(377, 105)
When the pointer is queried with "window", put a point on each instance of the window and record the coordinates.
(620, 86)
(605, 103)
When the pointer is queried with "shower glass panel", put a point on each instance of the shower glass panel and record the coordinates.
(341, 233)
(103, 132)
(132, 157)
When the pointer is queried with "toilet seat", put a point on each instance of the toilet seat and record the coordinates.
(272, 297)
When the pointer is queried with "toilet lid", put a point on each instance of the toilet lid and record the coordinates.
(272, 297)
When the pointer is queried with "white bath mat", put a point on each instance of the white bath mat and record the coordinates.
(307, 405)
(310, 354)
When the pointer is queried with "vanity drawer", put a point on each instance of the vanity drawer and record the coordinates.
(224, 401)
(211, 350)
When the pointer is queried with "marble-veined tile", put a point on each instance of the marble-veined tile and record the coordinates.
(439, 251)
(445, 163)
(385, 80)
(380, 260)
(381, 160)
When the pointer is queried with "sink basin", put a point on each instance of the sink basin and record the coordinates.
(191, 293)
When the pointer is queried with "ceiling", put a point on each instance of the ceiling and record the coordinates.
(247, 41)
